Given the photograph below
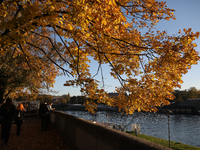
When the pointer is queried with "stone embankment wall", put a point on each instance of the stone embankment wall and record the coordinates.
(85, 135)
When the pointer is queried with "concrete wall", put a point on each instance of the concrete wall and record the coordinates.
(84, 135)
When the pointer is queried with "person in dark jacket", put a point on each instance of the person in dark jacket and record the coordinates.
(44, 115)
(19, 117)
(49, 107)
(7, 110)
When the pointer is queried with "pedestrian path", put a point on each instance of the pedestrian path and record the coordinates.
(33, 138)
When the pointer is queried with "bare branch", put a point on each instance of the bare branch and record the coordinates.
(144, 68)
(78, 57)
(118, 76)
(20, 46)
(99, 65)
(64, 44)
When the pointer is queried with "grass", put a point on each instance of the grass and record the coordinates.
(174, 145)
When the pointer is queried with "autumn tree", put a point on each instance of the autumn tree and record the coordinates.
(184, 95)
(178, 96)
(193, 92)
(147, 65)
(66, 97)
(19, 79)
(181, 95)
(44, 98)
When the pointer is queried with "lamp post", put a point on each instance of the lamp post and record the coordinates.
(168, 112)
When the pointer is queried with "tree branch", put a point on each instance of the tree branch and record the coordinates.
(78, 58)
(53, 47)
(64, 70)
(64, 44)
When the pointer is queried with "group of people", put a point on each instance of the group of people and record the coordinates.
(10, 113)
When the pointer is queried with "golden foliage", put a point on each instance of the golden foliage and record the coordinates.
(109, 32)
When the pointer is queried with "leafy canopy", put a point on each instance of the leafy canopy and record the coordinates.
(148, 66)
(19, 78)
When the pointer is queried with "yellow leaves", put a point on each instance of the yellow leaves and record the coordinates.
(189, 30)
(104, 22)
(145, 16)
(52, 8)
(195, 45)
(70, 26)
(110, 2)
(167, 18)
(99, 30)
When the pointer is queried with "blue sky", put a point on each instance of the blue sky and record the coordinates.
(187, 14)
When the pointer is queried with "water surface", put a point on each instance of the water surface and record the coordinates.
(183, 128)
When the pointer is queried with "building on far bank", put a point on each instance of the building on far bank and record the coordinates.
(194, 99)
(191, 106)
(113, 95)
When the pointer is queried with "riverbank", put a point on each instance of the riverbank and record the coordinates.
(186, 108)
(80, 107)
(173, 145)
(190, 107)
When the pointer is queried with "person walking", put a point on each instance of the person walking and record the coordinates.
(19, 117)
(7, 110)
(43, 113)
(49, 107)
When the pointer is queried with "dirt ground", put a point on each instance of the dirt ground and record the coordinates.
(33, 138)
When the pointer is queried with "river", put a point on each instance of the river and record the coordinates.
(183, 128)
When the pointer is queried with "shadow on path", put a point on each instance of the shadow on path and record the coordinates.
(33, 138)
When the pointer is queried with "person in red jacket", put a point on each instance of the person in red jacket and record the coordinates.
(19, 117)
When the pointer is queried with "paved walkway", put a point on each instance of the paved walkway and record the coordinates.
(33, 138)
